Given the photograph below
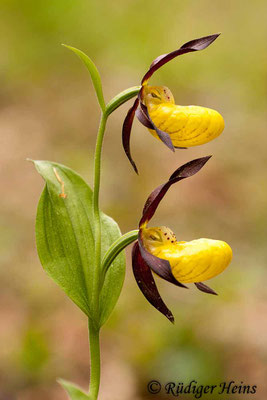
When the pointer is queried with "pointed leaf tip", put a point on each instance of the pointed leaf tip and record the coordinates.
(95, 76)
(74, 392)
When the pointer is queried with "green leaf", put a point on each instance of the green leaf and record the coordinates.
(74, 392)
(121, 98)
(65, 239)
(93, 72)
(64, 235)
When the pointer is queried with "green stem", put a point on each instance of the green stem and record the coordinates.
(97, 220)
(94, 360)
(96, 211)
(94, 321)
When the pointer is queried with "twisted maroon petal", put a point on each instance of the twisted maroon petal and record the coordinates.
(126, 132)
(164, 136)
(145, 119)
(160, 266)
(193, 45)
(190, 168)
(146, 283)
(185, 171)
(142, 117)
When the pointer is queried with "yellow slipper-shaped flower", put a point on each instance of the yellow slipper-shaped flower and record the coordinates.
(177, 262)
(176, 126)
(187, 126)
(191, 262)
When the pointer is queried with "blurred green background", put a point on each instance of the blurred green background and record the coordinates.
(48, 110)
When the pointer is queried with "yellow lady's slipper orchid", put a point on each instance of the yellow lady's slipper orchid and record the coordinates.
(191, 262)
(187, 125)
(177, 262)
(176, 126)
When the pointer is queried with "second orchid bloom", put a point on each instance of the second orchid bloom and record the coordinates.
(176, 126)
(175, 261)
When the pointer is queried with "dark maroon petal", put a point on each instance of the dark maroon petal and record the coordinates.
(205, 288)
(200, 43)
(146, 283)
(190, 168)
(185, 171)
(153, 201)
(160, 266)
(143, 118)
(141, 94)
(193, 45)
(164, 136)
(126, 132)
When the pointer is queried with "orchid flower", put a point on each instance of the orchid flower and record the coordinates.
(176, 126)
(157, 249)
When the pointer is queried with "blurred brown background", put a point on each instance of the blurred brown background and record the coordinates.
(48, 110)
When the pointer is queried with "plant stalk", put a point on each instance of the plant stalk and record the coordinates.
(94, 360)
(93, 324)
(96, 211)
